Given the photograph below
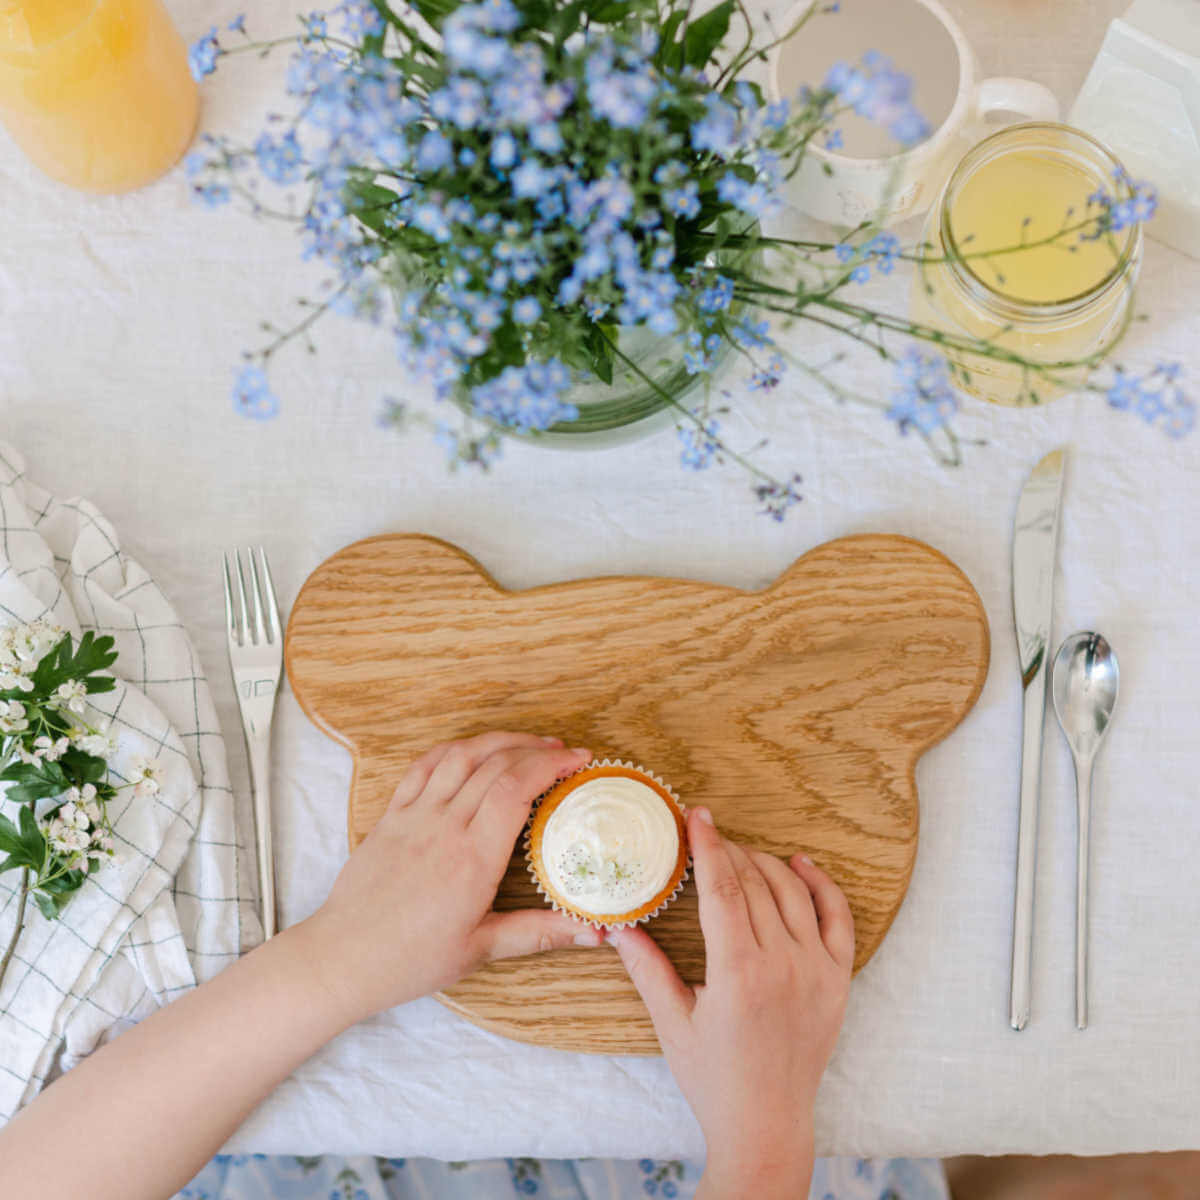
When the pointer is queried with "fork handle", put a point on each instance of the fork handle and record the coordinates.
(260, 778)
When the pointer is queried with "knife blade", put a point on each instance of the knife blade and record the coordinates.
(1035, 540)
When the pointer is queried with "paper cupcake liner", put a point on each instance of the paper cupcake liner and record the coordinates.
(585, 920)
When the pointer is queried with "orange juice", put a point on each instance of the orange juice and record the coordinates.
(96, 92)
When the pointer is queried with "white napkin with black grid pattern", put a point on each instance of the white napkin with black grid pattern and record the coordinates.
(176, 905)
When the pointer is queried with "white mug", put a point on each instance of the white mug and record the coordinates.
(870, 177)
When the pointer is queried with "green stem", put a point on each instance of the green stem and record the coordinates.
(16, 933)
(743, 462)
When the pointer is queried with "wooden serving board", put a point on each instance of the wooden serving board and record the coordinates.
(796, 713)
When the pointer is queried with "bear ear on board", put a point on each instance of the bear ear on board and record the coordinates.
(796, 714)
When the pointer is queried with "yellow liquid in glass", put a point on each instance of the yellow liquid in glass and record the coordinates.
(1003, 269)
(1024, 200)
(96, 92)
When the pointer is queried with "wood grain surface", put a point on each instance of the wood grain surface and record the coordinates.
(796, 713)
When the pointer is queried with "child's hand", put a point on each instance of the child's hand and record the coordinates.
(749, 1046)
(411, 910)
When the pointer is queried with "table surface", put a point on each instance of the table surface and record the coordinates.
(120, 323)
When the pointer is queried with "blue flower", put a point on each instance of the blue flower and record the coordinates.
(883, 248)
(212, 195)
(718, 130)
(252, 396)
(777, 496)
(776, 115)
(877, 91)
(1157, 398)
(1138, 202)
(500, 16)
(530, 179)
(238, 24)
(435, 152)
(701, 445)
(670, 1190)
(717, 297)
(753, 198)
(526, 310)
(503, 153)
(766, 378)
(361, 19)
(203, 55)
(315, 25)
(923, 397)
(753, 334)
(280, 161)
(684, 201)
(646, 1165)
(833, 139)
(526, 398)
(650, 1187)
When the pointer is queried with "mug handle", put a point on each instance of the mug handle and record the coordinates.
(1002, 93)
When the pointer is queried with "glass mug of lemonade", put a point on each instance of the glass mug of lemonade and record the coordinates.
(96, 92)
(1007, 262)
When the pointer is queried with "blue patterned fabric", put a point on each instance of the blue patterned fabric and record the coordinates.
(258, 1177)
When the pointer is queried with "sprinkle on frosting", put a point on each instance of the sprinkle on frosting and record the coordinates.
(611, 845)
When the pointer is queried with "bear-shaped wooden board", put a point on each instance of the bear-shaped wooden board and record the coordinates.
(796, 714)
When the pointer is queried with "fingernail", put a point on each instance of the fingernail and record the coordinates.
(590, 937)
(581, 750)
(805, 859)
(552, 740)
(702, 814)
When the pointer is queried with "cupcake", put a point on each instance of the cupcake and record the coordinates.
(608, 845)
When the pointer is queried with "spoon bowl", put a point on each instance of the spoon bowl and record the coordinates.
(1087, 679)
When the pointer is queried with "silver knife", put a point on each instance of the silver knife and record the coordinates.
(1035, 537)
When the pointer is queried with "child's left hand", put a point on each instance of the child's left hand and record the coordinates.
(411, 911)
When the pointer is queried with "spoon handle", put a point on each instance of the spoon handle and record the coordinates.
(1083, 790)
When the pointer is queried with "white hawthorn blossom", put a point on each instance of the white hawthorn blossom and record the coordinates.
(12, 717)
(146, 775)
(73, 694)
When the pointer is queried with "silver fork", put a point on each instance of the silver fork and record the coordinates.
(256, 659)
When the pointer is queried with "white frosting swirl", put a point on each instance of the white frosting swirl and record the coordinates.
(611, 845)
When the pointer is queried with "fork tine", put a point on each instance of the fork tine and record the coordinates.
(247, 635)
(272, 605)
(230, 625)
(260, 628)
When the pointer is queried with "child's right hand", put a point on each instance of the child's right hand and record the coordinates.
(749, 1046)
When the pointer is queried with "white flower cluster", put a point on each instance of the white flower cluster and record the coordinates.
(78, 832)
(22, 647)
(44, 747)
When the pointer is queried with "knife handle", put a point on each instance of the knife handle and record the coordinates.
(1031, 776)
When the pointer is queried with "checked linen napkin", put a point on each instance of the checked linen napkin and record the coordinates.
(176, 905)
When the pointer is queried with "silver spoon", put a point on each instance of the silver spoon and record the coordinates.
(1086, 681)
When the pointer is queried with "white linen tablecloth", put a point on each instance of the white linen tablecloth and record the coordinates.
(120, 322)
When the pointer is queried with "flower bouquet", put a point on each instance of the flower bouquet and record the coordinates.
(560, 210)
(54, 766)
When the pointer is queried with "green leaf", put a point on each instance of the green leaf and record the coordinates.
(435, 11)
(29, 782)
(62, 664)
(83, 768)
(670, 52)
(47, 905)
(706, 33)
(25, 847)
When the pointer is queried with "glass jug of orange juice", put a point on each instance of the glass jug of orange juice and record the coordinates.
(96, 92)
